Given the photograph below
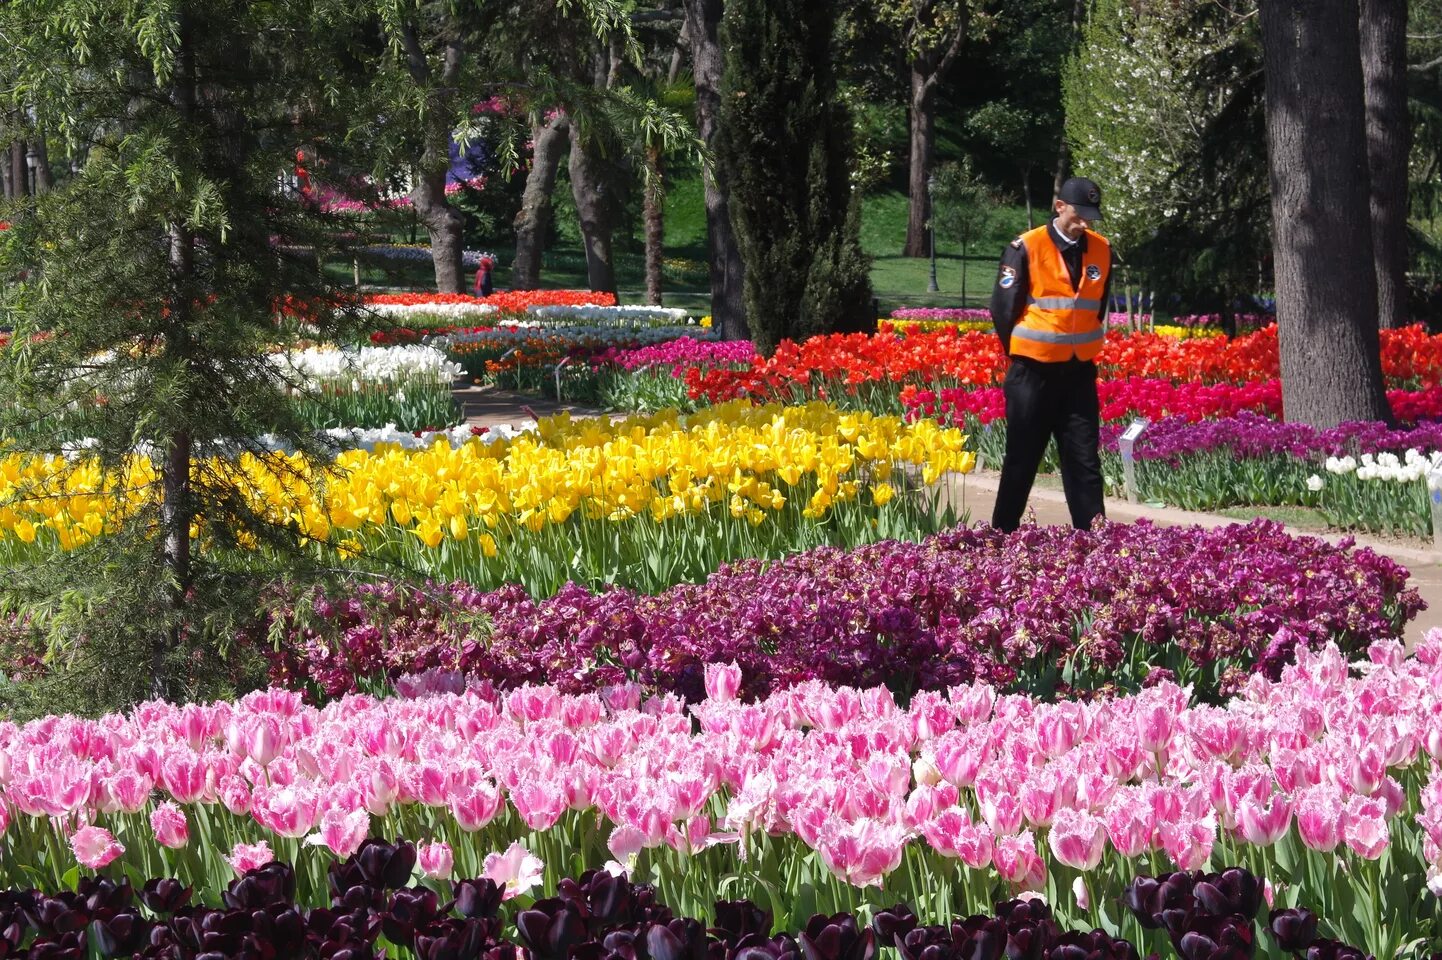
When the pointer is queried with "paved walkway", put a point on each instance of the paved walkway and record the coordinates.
(976, 492)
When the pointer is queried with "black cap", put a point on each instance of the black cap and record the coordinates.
(1083, 194)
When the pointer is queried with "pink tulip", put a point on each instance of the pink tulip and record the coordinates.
(1154, 726)
(1003, 814)
(289, 811)
(1129, 822)
(539, 804)
(342, 832)
(1364, 825)
(478, 807)
(1318, 817)
(1189, 841)
(129, 791)
(1077, 839)
(1263, 825)
(245, 857)
(184, 775)
(95, 847)
(517, 870)
(235, 795)
(171, 829)
(722, 681)
(436, 860)
(1016, 857)
(1080, 893)
(263, 738)
(958, 758)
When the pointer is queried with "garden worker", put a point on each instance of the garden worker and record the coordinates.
(1050, 309)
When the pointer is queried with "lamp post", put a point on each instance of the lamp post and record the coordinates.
(931, 286)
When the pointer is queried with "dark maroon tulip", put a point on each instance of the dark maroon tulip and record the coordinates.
(451, 939)
(1334, 950)
(121, 934)
(61, 914)
(756, 947)
(551, 927)
(164, 895)
(1294, 928)
(1217, 938)
(66, 946)
(892, 924)
(836, 938)
(479, 898)
(272, 883)
(101, 894)
(1232, 891)
(386, 865)
(410, 910)
(1096, 945)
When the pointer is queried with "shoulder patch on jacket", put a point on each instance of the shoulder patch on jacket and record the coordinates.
(1017, 243)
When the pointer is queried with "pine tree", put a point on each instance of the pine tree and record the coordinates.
(797, 223)
(152, 283)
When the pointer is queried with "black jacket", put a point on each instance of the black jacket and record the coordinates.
(1008, 303)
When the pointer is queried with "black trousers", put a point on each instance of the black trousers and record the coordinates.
(1046, 400)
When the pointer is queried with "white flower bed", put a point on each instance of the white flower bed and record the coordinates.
(1388, 467)
(368, 364)
(447, 312)
(617, 316)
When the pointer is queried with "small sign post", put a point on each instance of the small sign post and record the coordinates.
(1126, 442)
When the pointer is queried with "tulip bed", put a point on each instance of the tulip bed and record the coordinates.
(646, 501)
(1323, 782)
(379, 908)
(407, 387)
(1052, 610)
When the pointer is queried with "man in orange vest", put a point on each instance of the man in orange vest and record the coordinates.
(1049, 306)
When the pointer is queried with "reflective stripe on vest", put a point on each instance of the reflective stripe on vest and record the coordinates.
(1061, 321)
(1051, 336)
(1064, 303)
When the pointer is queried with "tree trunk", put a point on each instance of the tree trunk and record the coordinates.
(1026, 193)
(654, 201)
(1062, 170)
(6, 177)
(593, 210)
(1317, 154)
(728, 310)
(428, 193)
(442, 221)
(923, 147)
(43, 180)
(1389, 143)
(20, 181)
(534, 218)
(177, 509)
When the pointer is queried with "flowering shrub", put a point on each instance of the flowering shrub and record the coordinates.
(1323, 781)
(1045, 608)
(647, 500)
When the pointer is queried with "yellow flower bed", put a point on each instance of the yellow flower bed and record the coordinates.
(447, 510)
(932, 326)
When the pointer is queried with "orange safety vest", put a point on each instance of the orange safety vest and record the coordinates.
(1059, 322)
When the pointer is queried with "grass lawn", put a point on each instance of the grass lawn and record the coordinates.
(897, 281)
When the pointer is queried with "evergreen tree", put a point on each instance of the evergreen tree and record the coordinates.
(785, 149)
(152, 283)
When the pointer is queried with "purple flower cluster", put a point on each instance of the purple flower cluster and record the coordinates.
(1043, 610)
(680, 354)
(1252, 435)
(940, 314)
(597, 915)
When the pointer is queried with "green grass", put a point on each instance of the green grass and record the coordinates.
(897, 281)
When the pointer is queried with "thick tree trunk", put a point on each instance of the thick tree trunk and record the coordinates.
(534, 218)
(19, 179)
(443, 223)
(1389, 143)
(728, 309)
(1317, 153)
(594, 212)
(923, 147)
(5, 176)
(654, 207)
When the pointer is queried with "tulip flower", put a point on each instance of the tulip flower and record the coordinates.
(95, 847)
(169, 824)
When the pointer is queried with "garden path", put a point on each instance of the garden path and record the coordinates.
(975, 493)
